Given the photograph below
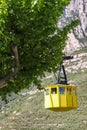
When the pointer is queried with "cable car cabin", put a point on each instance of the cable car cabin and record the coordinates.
(60, 97)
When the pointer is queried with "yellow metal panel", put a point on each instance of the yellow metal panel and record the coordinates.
(60, 109)
(55, 100)
(75, 103)
(63, 100)
(70, 100)
(47, 101)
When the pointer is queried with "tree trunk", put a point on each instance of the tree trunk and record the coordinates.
(14, 72)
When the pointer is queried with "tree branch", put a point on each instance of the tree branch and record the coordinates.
(14, 72)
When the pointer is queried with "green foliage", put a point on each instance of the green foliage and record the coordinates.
(32, 26)
(27, 112)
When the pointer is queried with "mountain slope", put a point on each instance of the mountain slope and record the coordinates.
(27, 111)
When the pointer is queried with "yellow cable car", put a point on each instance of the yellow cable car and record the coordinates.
(61, 96)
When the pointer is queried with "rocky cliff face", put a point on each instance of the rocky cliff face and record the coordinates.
(78, 37)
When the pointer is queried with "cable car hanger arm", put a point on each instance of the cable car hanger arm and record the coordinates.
(62, 70)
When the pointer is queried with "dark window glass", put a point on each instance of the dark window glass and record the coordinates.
(61, 90)
(54, 90)
(67, 91)
(73, 91)
(70, 91)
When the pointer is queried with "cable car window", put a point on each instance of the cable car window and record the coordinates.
(54, 90)
(70, 91)
(47, 91)
(73, 91)
(61, 90)
(67, 91)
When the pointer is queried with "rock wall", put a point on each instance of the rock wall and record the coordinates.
(78, 37)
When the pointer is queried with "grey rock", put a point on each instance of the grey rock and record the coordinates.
(78, 36)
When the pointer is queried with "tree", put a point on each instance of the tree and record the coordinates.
(30, 41)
